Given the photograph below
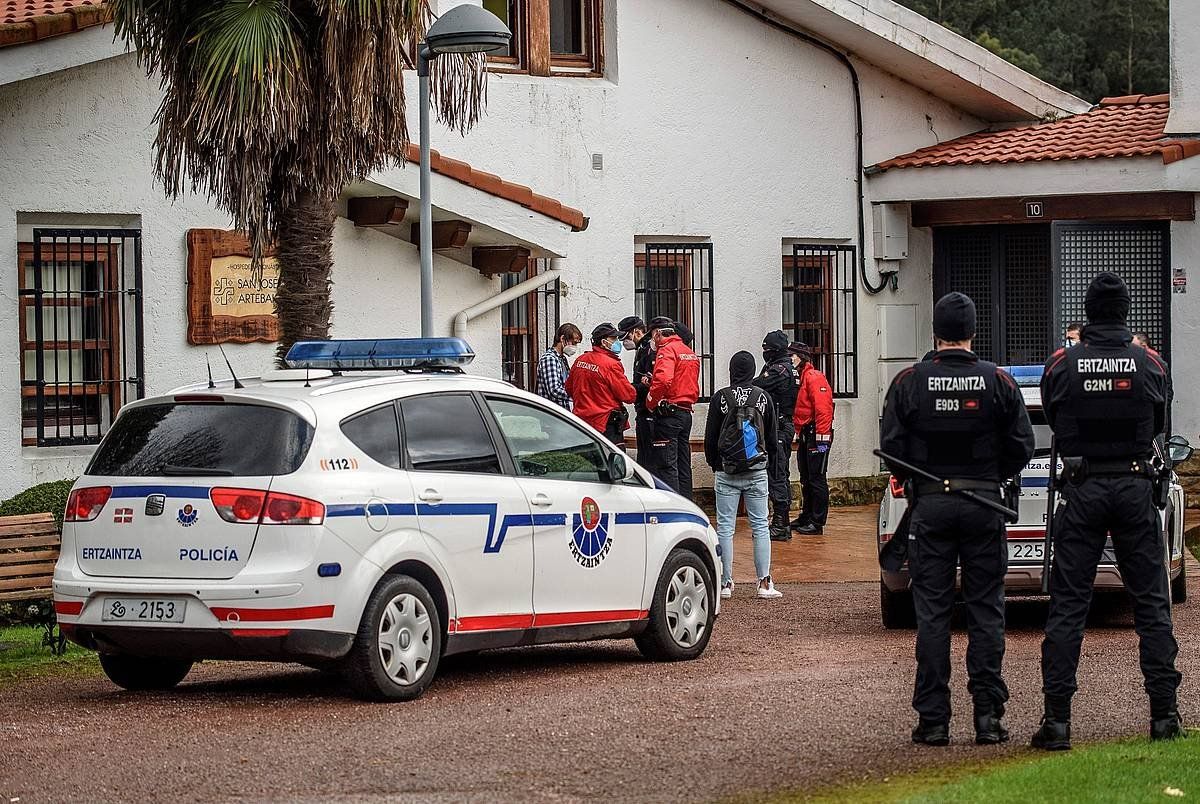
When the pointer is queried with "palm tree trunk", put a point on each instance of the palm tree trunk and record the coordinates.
(304, 248)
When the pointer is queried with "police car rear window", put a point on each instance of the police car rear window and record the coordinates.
(197, 438)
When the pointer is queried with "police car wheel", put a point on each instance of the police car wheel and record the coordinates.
(399, 642)
(140, 673)
(682, 612)
(896, 608)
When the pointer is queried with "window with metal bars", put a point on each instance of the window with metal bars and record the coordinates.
(820, 308)
(80, 332)
(675, 280)
(527, 325)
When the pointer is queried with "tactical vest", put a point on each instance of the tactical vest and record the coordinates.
(954, 434)
(1108, 412)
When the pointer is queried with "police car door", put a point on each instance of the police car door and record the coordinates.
(473, 513)
(589, 541)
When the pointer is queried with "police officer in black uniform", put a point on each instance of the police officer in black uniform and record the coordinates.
(780, 380)
(964, 420)
(1105, 399)
(643, 370)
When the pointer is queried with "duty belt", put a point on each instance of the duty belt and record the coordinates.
(1092, 467)
(956, 484)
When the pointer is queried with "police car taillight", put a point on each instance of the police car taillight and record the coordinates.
(238, 505)
(895, 486)
(287, 509)
(251, 506)
(84, 505)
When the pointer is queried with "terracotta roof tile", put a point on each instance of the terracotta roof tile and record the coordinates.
(1131, 125)
(23, 21)
(492, 184)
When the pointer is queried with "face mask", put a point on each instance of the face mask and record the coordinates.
(615, 347)
(653, 346)
(569, 349)
(628, 343)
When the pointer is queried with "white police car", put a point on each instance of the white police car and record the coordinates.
(371, 524)
(1026, 538)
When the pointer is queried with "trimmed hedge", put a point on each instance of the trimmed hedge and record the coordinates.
(40, 499)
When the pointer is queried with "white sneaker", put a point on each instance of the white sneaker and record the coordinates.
(767, 590)
(727, 590)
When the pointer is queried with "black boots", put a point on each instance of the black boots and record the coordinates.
(1054, 735)
(1167, 728)
(929, 732)
(988, 728)
(779, 526)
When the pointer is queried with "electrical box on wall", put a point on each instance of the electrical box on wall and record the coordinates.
(898, 332)
(890, 222)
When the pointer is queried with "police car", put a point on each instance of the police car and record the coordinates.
(1026, 538)
(370, 524)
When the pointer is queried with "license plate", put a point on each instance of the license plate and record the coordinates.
(142, 610)
(1026, 551)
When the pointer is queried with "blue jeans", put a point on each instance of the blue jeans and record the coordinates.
(753, 486)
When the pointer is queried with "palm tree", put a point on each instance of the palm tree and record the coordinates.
(272, 107)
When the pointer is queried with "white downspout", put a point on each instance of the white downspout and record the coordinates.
(504, 297)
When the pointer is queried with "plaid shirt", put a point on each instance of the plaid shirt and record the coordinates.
(552, 372)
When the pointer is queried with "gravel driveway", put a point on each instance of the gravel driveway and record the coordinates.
(791, 693)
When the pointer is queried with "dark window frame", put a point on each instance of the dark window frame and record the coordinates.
(114, 357)
(530, 24)
(693, 261)
(822, 279)
(521, 344)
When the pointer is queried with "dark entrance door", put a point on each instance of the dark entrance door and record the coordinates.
(1007, 271)
(1028, 280)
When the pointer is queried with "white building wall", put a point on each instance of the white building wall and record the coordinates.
(712, 125)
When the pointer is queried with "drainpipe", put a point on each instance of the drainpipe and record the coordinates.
(503, 298)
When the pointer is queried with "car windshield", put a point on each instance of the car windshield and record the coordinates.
(200, 439)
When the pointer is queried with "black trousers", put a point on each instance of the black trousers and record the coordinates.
(814, 487)
(1124, 507)
(779, 473)
(672, 449)
(947, 531)
(643, 428)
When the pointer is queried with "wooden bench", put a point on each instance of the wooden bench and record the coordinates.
(28, 549)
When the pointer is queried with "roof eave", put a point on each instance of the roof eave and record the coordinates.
(926, 55)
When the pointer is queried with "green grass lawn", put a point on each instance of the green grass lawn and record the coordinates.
(22, 656)
(1128, 771)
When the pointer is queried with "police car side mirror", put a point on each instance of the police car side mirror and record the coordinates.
(1178, 449)
(619, 467)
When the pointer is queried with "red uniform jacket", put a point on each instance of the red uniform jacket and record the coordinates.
(814, 403)
(676, 376)
(598, 386)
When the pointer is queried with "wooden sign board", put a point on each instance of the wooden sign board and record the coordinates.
(226, 303)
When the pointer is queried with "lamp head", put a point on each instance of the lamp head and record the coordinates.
(467, 29)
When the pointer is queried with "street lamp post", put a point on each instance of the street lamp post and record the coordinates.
(462, 29)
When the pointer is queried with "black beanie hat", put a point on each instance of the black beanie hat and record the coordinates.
(776, 341)
(631, 322)
(954, 317)
(1107, 300)
(741, 368)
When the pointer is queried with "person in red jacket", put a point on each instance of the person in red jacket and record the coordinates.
(813, 418)
(674, 389)
(599, 388)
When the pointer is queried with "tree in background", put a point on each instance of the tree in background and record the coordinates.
(1090, 48)
(272, 107)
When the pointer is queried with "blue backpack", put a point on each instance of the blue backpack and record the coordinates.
(741, 440)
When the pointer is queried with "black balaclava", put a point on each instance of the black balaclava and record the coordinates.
(741, 368)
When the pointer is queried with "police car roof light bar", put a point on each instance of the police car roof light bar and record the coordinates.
(1026, 376)
(389, 354)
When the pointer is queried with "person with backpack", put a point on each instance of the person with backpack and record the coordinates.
(739, 445)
